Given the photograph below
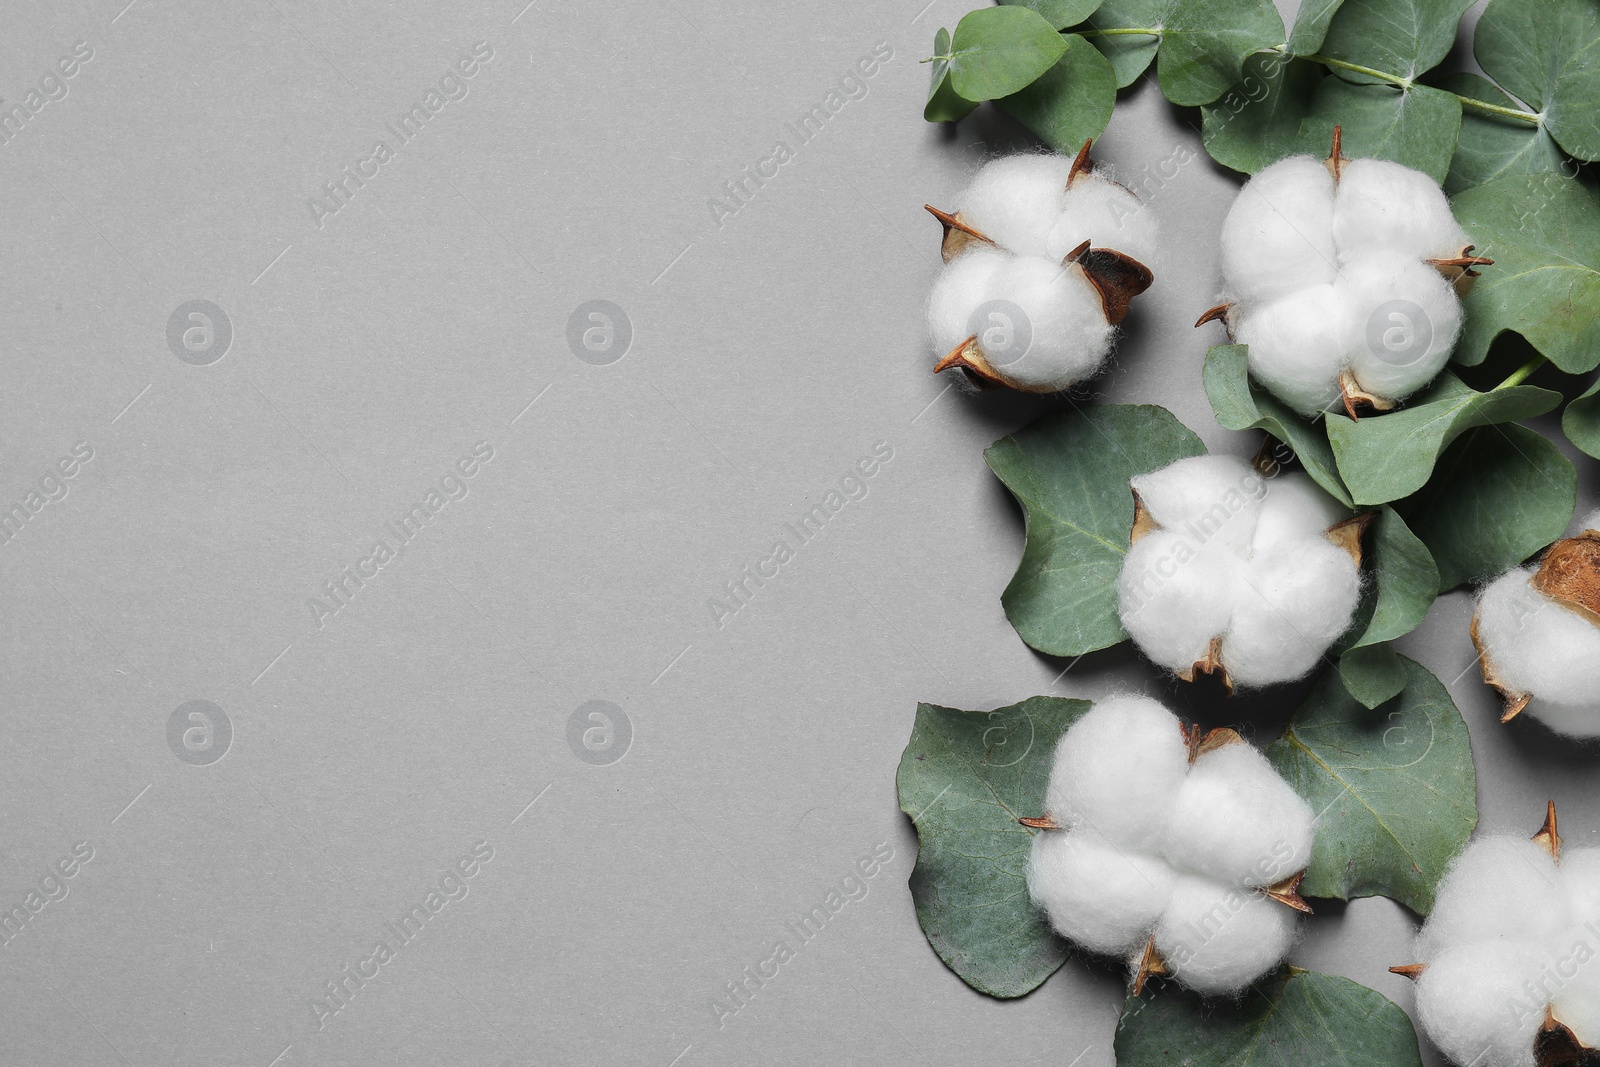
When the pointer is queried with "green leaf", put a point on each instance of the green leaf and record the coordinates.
(944, 104)
(1386, 457)
(1405, 579)
(1373, 674)
(1257, 122)
(1239, 405)
(998, 51)
(1202, 46)
(1581, 421)
(1416, 127)
(1070, 472)
(1071, 102)
(965, 779)
(1544, 54)
(1311, 25)
(1491, 146)
(1059, 13)
(1294, 1017)
(1403, 38)
(1501, 493)
(1543, 233)
(1395, 787)
(1404, 584)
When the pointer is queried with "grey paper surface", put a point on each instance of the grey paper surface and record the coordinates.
(379, 725)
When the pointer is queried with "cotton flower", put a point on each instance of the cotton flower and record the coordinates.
(1342, 278)
(1538, 636)
(1176, 852)
(1510, 957)
(1041, 262)
(1232, 574)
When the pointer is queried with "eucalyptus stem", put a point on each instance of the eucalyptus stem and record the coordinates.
(1532, 118)
(1122, 31)
(1520, 375)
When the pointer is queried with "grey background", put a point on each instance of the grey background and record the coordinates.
(769, 354)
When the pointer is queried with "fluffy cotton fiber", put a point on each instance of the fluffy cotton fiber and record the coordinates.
(1327, 277)
(1040, 323)
(1509, 938)
(1238, 557)
(1537, 646)
(1154, 848)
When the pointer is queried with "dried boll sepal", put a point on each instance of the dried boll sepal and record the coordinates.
(1041, 264)
(1499, 986)
(1344, 279)
(1537, 634)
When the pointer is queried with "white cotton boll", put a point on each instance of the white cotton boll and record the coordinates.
(1095, 894)
(1106, 215)
(1236, 820)
(1289, 610)
(1117, 770)
(1295, 509)
(1538, 646)
(1580, 721)
(1580, 878)
(1407, 319)
(1173, 598)
(1068, 335)
(1217, 494)
(1385, 205)
(1217, 938)
(1298, 345)
(1472, 1004)
(1577, 1005)
(1500, 891)
(1278, 236)
(964, 284)
(1016, 199)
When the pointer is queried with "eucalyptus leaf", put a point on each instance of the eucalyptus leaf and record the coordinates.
(1394, 787)
(1202, 46)
(1492, 146)
(1386, 457)
(1543, 233)
(944, 104)
(1373, 674)
(1059, 13)
(1581, 421)
(997, 51)
(1129, 47)
(1544, 54)
(1405, 579)
(965, 779)
(1311, 25)
(1500, 494)
(1401, 38)
(1071, 102)
(1257, 122)
(1416, 126)
(1240, 405)
(1292, 1018)
(1404, 584)
(1070, 472)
